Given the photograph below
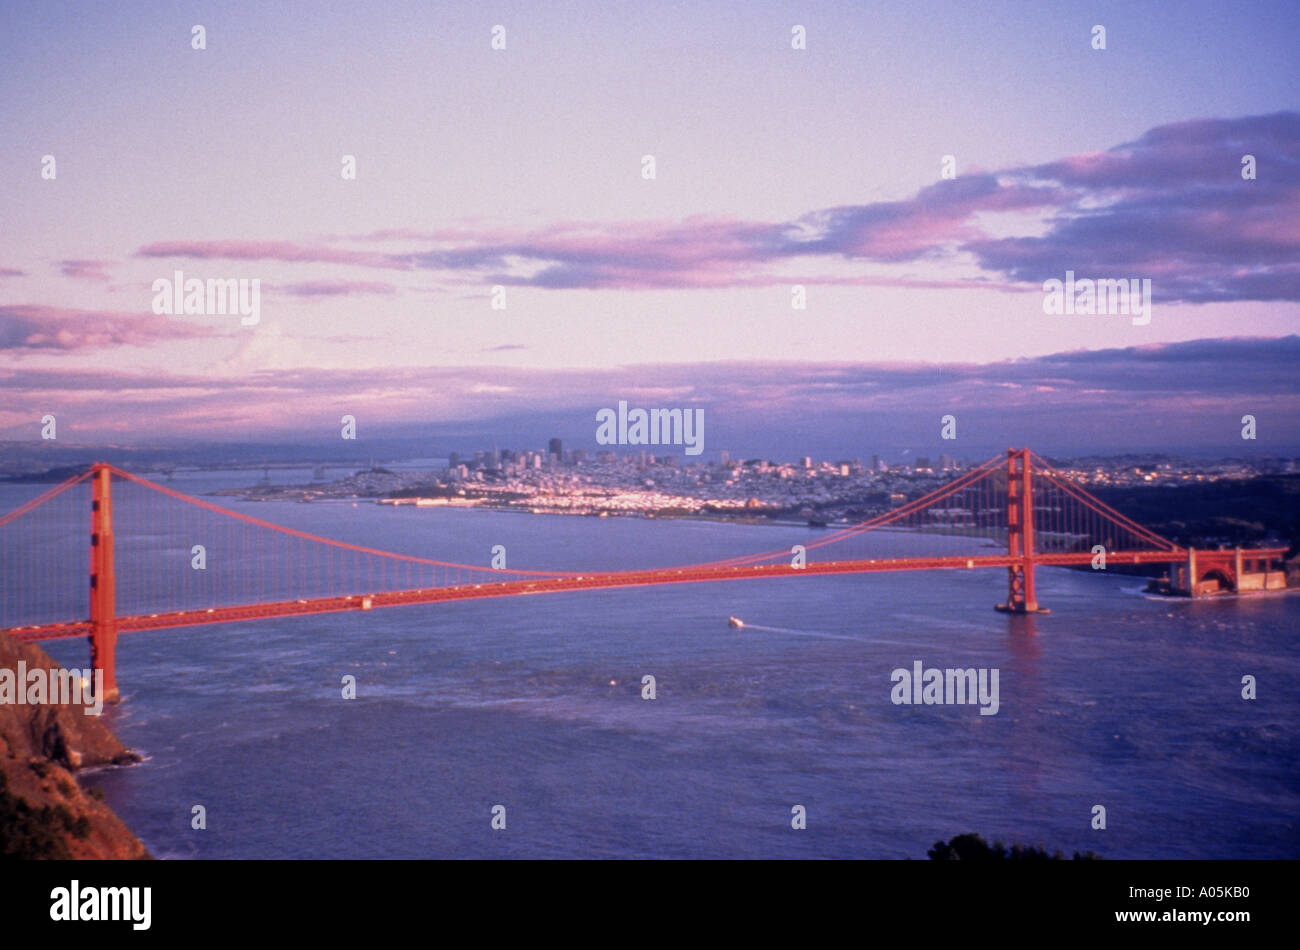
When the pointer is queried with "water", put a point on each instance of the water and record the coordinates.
(535, 703)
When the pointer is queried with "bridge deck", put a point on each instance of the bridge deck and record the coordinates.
(567, 583)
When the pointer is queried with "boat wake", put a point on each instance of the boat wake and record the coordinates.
(802, 633)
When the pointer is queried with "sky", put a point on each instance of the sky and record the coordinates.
(524, 169)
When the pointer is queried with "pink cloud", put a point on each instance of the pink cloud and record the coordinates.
(337, 288)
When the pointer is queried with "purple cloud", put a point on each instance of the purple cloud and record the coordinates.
(285, 251)
(1171, 206)
(1198, 380)
(85, 270)
(35, 327)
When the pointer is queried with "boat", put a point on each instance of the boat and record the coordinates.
(735, 622)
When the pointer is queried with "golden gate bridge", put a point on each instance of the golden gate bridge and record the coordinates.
(1013, 512)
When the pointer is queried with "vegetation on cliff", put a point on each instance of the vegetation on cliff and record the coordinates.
(28, 832)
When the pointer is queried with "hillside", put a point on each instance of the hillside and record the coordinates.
(44, 811)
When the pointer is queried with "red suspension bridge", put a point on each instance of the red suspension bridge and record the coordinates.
(1013, 513)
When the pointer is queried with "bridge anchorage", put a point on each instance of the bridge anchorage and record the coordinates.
(1013, 513)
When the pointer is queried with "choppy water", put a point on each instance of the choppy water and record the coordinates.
(535, 703)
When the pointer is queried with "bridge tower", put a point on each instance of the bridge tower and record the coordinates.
(103, 583)
(1021, 597)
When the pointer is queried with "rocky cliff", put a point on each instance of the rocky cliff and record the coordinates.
(44, 811)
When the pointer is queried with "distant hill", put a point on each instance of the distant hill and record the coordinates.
(1205, 514)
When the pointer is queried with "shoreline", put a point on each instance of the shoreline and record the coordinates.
(664, 514)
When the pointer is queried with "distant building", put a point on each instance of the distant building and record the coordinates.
(806, 461)
(556, 448)
(725, 457)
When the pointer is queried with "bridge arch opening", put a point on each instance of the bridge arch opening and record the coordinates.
(1215, 580)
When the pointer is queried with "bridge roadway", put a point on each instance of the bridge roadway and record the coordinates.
(564, 583)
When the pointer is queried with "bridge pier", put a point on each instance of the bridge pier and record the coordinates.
(103, 583)
(1021, 596)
